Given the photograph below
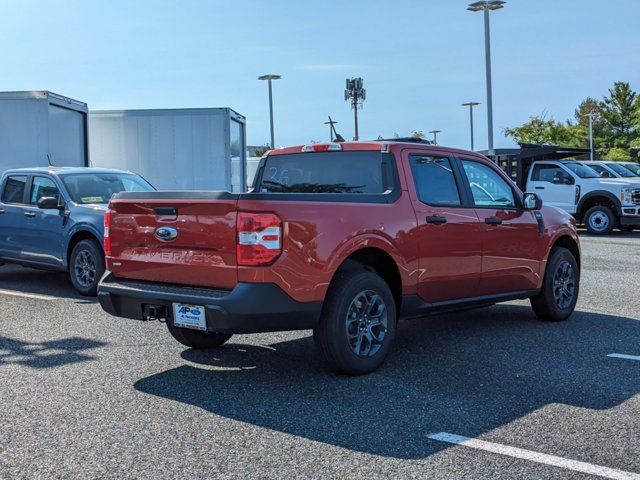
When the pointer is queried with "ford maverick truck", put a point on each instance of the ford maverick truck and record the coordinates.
(342, 238)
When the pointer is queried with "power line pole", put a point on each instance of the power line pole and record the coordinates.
(355, 93)
(471, 105)
(435, 136)
(590, 115)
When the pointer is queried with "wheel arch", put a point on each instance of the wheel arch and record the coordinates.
(77, 237)
(377, 260)
(598, 197)
(566, 241)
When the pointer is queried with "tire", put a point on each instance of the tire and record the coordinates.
(627, 228)
(599, 220)
(561, 277)
(86, 267)
(359, 315)
(197, 340)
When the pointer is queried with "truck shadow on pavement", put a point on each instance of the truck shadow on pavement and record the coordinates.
(48, 354)
(466, 373)
(25, 280)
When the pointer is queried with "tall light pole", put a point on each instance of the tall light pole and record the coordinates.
(435, 136)
(471, 105)
(486, 6)
(355, 93)
(590, 115)
(269, 78)
(331, 124)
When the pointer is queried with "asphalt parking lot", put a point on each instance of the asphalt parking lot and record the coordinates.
(86, 395)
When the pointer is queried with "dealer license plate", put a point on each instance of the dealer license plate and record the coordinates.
(189, 316)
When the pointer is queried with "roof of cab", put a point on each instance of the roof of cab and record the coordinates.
(64, 170)
(377, 145)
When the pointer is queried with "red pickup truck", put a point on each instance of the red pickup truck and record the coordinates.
(341, 238)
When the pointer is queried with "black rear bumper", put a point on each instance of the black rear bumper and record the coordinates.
(248, 308)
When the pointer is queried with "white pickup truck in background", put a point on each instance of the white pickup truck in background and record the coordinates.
(601, 204)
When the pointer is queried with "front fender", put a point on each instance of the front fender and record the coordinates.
(82, 228)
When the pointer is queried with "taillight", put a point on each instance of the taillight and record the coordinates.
(107, 238)
(259, 238)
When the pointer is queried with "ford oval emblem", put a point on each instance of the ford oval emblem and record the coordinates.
(166, 234)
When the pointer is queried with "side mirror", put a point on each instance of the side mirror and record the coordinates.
(49, 203)
(532, 201)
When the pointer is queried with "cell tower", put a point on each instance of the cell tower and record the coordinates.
(356, 94)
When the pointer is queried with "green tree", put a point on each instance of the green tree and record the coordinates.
(419, 134)
(542, 131)
(618, 154)
(260, 151)
(619, 110)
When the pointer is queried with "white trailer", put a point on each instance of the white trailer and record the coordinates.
(41, 128)
(176, 149)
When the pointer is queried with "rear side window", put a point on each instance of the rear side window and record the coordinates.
(434, 179)
(328, 172)
(14, 189)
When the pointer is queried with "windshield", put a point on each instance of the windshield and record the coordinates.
(581, 170)
(100, 187)
(633, 167)
(620, 170)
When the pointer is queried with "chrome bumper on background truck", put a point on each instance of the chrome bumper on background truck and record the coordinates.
(248, 308)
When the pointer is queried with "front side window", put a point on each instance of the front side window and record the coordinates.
(581, 170)
(43, 187)
(488, 188)
(100, 187)
(632, 167)
(434, 180)
(547, 172)
(14, 189)
(602, 171)
(620, 170)
(328, 172)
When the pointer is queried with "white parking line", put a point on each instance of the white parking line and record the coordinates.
(535, 456)
(35, 296)
(625, 356)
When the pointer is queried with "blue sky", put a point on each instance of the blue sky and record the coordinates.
(420, 59)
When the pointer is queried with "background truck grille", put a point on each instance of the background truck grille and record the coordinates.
(635, 196)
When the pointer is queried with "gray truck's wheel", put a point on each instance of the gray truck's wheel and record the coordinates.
(599, 220)
(86, 267)
(560, 287)
(358, 323)
(196, 339)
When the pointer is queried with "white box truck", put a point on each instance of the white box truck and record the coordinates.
(40, 128)
(174, 149)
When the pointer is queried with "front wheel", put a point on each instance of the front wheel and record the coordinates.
(557, 299)
(197, 340)
(599, 220)
(86, 267)
(358, 323)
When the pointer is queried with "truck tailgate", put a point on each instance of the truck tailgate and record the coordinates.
(184, 238)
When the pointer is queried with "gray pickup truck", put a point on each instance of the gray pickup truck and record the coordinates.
(52, 218)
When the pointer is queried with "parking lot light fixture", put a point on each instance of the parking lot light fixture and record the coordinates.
(486, 6)
(270, 78)
(471, 105)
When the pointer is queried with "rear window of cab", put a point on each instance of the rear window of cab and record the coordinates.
(359, 172)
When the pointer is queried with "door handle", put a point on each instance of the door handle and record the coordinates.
(539, 188)
(493, 220)
(30, 214)
(436, 219)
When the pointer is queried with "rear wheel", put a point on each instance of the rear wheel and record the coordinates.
(358, 323)
(86, 266)
(599, 220)
(560, 287)
(196, 339)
